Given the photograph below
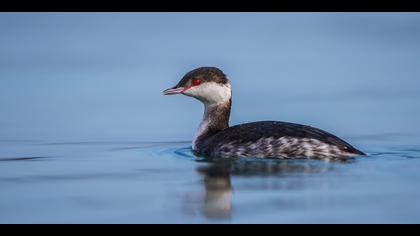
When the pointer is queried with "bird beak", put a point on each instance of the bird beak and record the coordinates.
(172, 91)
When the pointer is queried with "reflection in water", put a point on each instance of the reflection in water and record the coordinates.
(218, 196)
(217, 175)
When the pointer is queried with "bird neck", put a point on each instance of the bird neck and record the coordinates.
(216, 118)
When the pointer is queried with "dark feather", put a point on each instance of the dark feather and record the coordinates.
(252, 132)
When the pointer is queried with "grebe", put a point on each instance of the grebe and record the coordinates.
(263, 139)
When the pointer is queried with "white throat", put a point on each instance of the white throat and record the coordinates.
(204, 125)
(212, 95)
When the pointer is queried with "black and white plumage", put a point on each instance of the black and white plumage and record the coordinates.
(264, 139)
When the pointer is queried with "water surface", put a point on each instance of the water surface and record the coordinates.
(164, 183)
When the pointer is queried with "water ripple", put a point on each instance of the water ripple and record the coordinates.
(180, 152)
(22, 158)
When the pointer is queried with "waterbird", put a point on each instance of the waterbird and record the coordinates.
(214, 137)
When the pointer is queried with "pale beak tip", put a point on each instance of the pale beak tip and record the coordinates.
(165, 92)
(172, 91)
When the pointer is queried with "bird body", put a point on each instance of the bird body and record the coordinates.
(264, 139)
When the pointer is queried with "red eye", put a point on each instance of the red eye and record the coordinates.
(196, 82)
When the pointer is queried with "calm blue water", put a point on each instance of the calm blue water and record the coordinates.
(86, 137)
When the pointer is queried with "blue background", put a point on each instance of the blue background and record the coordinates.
(99, 76)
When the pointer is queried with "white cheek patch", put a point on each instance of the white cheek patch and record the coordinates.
(210, 92)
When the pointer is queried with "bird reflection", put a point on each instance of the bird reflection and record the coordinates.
(217, 203)
(218, 196)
